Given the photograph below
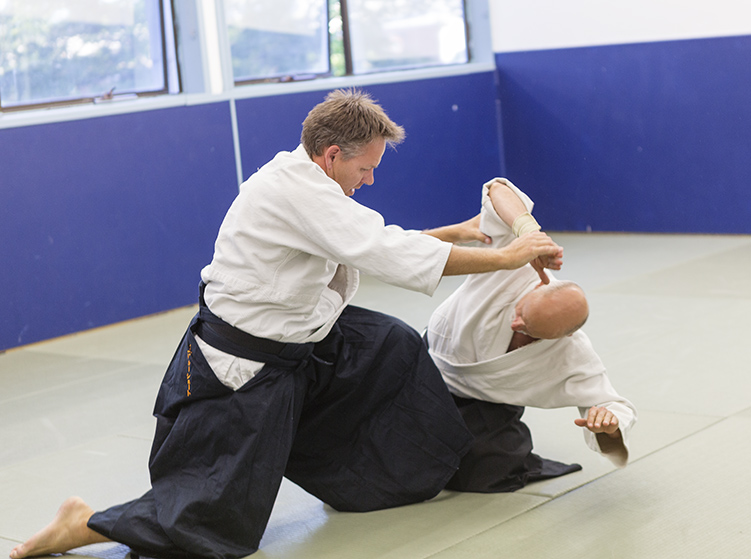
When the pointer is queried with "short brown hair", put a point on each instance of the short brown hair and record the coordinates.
(349, 119)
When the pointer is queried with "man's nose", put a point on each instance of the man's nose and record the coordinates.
(369, 178)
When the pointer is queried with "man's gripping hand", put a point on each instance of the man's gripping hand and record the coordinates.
(550, 262)
(536, 248)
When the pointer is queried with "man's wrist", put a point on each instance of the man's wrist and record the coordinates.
(524, 224)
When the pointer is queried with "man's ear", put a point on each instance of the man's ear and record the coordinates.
(330, 153)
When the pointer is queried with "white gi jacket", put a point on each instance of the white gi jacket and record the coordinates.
(470, 332)
(287, 256)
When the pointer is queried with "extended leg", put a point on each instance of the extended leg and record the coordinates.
(67, 530)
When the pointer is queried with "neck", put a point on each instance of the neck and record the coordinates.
(320, 161)
(518, 340)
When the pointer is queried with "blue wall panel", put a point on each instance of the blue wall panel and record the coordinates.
(644, 137)
(434, 177)
(109, 218)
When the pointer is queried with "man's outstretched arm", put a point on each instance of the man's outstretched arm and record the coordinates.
(478, 260)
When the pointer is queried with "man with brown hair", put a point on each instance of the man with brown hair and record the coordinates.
(278, 376)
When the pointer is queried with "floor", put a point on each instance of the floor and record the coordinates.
(669, 317)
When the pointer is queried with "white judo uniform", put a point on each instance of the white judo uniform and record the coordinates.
(470, 332)
(289, 276)
(277, 375)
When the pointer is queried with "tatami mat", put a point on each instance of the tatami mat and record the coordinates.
(669, 317)
(690, 500)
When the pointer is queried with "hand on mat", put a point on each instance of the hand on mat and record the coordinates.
(600, 420)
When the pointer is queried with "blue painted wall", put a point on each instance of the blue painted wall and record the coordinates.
(452, 147)
(651, 137)
(434, 177)
(111, 218)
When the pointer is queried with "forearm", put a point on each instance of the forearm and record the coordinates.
(447, 233)
(510, 208)
(471, 260)
(464, 232)
(476, 260)
(506, 203)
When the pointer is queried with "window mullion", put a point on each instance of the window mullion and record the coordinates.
(344, 12)
(225, 49)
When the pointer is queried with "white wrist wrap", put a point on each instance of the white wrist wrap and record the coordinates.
(524, 224)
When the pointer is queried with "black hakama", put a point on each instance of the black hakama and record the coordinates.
(500, 459)
(362, 420)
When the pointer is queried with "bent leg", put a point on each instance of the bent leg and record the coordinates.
(379, 428)
(68, 530)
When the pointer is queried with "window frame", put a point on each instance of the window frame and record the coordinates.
(406, 67)
(170, 71)
(286, 78)
(349, 70)
(192, 82)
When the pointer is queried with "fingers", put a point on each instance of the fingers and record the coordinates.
(550, 262)
(531, 246)
(540, 269)
(546, 246)
(555, 261)
(599, 420)
(473, 232)
(547, 253)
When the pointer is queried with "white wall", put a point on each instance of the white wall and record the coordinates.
(550, 24)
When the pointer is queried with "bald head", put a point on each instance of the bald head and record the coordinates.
(551, 311)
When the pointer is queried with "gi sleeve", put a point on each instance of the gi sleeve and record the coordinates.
(491, 223)
(315, 217)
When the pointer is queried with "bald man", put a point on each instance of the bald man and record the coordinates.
(512, 338)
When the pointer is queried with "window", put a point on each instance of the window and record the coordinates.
(396, 34)
(284, 40)
(277, 38)
(55, 51)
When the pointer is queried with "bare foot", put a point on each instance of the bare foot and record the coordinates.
(67, 530)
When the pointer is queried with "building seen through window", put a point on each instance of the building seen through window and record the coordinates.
(66, 50)
(398, 34)
(70, 51)
(300, 39)
(277, 39)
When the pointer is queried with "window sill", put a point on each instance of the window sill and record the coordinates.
(48, 115)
